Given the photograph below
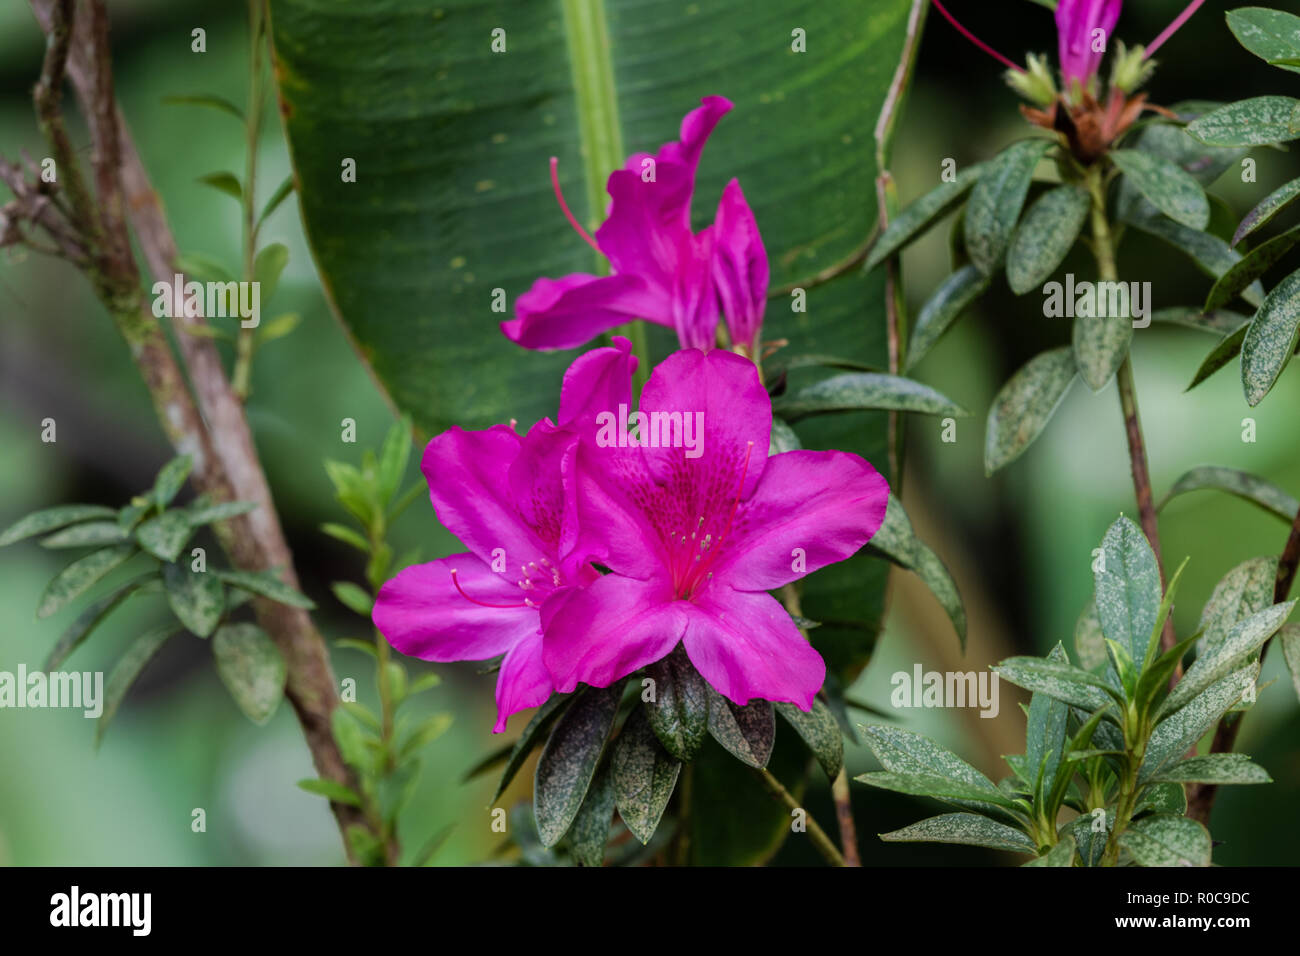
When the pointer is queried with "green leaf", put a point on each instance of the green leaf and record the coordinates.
(347, 536)
(351, 740)
(268, 585)
(1269, 206)
(1089, 642)
(1024, 406)
(282, 192)
(278, 327)
(1240, 483)
(251, 667)
(1062, 854)
(227, 183)
(1261, 121)
(534, 733)
(1059, 680)
(820, 732)
(1215, 768)
(996, 201)
(211, 102)
(1271, 339)
(913, 221)
(81, 575)
(206, 513)
(1162, 798)
(911, 754)
(1128, 588)
(1211, 254)
(1045, 729)
(87, 534)
(969, 829)
(1269, 34)
(1255, 264)
(353, 597)
(1243, 591)
(128, 516)
(201, 267)
(644, 774)
(126, 670)
(425, 733)
(679, 713)
(170, 479)
(855, 391)
(933, 785)
(1167, 839)
(590, 830)
(783, 438)
(165, 535)
(39, 522)
(331, 790)
(746, 732)
(195, 597)
(1236, 648)
(1217, 321)
(1289, 638)
(1101, 344)
(1166, 186)
(393, 458)
(569, 760)
(268, 266)
(1046, 235)
(950, 300)
(1177, 732)
(1229, 348)
(91, 618)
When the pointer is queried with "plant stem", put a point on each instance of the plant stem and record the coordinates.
(821, 842)
(240, 378)
(1128, 791)
(844, 815)
(1104, 250)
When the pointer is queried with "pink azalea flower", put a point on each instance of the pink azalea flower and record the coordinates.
(504, 496)
(1077, 22)
(663, 271)
(695, 543)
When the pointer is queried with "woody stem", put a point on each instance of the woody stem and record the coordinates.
(821, 842)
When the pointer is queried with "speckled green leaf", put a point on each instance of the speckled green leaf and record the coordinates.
(1163, 798)
(1215, 768)
(1101, 344)
(679, 714)
(1246, 272)
(1271, 339)
(170, 479)
(1269, 34)
(267, 584)
(1289, 638)
(948, 302)
(197, 598)
(968, 829)
(1203, 163)
(1241, 643)
(644, 775)
(783, 438)
(80, 576)
(913, 221)
(1045, 728)
(251, 667)
(1166, 186)
(569, 760)
(1245, 590)
(1227, 349)
(126, 670)
(165, 535)
(1166, 839)
(933, 785)
(997, 200)
(1046, 235)
(1217, 322)
(1240, 483)
(907, 752)
(1269, 206)
(820, 732)
(1089, 642)
(88, 534)
(1061, 854)
(1255, 122)
(91, 618)
(746, 732)
(201, 513)
(1211, 254)
(1025, 405)
(1059, 680)
(1128, 588)
(39, 522)
(854, 391)
(1176, 733)
(589, 831)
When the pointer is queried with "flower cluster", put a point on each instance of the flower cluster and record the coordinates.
(591, 554)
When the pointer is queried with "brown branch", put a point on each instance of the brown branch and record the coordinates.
(208, 424)
(844, 816)
(1200, 801)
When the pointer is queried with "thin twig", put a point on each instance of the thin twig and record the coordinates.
(821, 842)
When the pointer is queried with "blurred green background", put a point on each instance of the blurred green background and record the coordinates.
(1019, 544)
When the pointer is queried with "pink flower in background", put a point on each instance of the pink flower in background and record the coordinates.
(505, 498)
(695, 543)
(663, 271)
(1077, 22)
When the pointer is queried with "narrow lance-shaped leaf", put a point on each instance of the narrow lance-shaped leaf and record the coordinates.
(170, 479)
(820, 732)
(1166, 186)
(1128, 589)
(1215, 768)
(644, 776)
(997, 200)
(569, 760)
(165, 535)
(747, 732)
(1178, 731)
(949, 301)
(679, 713)
(91, 618)
(127, 669)
(1239, 645)
(49, 519)
(1255, 264)
(1228, 348)
(266, 584)
(1216, 321)
(854, 391)
(1046, 235)
(1211, 254)
(1025, 405)
(1260, 121)
(1240, 483)
(1271, 340)
(1268, 207)
(1101, 342)
(1269, 34)
(933, 785)
(590, 829)
(1089, 642)
(85, 535)
(920, 215)
(251, 667)
(969, 829)
(907, 752)
(1045, 729)
(80, 576)
(1059, 680)
(534, 733)
(195, 597)
(1245, 590)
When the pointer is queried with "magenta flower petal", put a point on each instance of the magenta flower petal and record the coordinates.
(565, 313)
(523, 681)
(1076, 21)
(746, 646)
(424, 615)
(740, 269)
(813, 508)
(597, 381)
(597, 634)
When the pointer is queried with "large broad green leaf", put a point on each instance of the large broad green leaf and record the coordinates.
(452, 198)
(1254, 122)
(1271, 35)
